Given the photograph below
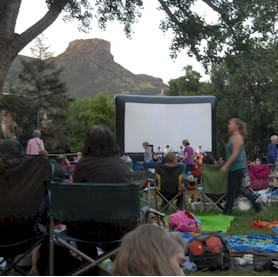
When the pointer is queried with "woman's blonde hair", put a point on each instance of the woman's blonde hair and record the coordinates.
(242, 127)
(146, 251)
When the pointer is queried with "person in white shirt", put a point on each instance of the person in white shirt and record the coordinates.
(148, 155)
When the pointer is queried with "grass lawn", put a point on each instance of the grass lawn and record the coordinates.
(242, 224)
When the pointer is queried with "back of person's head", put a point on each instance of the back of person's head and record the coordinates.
(11, 153)
(37, 133)
(185, 142)
(147, 250)
(145, 143)
(11, 148)
(60, 159)
(209, 159)
(100, 142)
(170, 158)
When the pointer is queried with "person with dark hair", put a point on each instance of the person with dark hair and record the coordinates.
(61, 169)
(236, 165)
(209, 159)
(11, 154)
(149, 250)
(101, 161)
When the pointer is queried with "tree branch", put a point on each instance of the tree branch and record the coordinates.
(23, 39)
(169, 13)
(223, 15)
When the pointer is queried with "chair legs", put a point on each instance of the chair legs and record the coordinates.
(206, 200)
(168, 201)
(91, 262)
(14, 263)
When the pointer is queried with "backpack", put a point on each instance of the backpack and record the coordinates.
(209, 252)
(183, 221)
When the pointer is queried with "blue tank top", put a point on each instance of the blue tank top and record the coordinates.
(240, 161)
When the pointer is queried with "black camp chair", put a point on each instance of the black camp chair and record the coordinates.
(22, 191)
(170, 187)
(96, 215)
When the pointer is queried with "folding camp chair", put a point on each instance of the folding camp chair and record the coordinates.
(259, 182)
(213, 186)
(259, 176)
(21, 193)
(170, 187)
(102, 213)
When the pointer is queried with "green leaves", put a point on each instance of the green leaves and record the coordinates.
(85, 112)
(229, 27)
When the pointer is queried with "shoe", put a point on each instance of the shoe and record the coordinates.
(260, 209)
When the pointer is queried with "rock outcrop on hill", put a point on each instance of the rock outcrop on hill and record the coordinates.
(89, 68)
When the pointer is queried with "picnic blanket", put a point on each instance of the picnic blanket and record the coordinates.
(246, 243)
(261, 243)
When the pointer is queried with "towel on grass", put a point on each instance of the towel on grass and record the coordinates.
(215, 222)
(256, 242)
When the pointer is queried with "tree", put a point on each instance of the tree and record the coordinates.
(20, 110)
(188, 85)
(12, 43)
(85, 112)
(236, 26)
(246, 86)
(41, 86)
(40, 78)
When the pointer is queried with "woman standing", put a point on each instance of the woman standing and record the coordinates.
(236, 165)
(188, 156)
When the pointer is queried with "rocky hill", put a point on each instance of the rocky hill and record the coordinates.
(89, 68)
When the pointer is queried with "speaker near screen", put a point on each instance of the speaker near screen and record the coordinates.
(165, 120)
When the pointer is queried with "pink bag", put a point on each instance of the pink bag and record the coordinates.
(183, 221)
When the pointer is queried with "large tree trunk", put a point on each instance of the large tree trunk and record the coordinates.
(6, 58)
(10, 42)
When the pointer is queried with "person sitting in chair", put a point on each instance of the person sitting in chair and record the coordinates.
(170, 180)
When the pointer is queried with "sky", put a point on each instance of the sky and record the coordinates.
(147, 52)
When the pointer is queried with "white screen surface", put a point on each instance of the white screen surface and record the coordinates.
(167, 124)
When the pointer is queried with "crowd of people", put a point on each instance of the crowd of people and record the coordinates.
(147, 250)
(235, 163)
